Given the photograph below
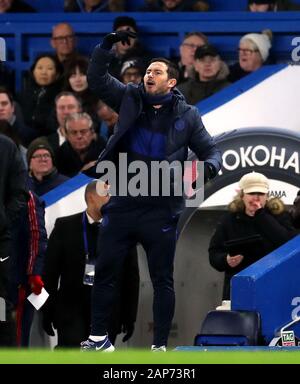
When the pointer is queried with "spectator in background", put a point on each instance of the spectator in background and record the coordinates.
(13, 197)
(76, 82)
(127, 51)
(44, 82)
(43, 175)
(63, 41)
(7, 130)
(29, 245)
(250, 213)
(7, 77)
(211, 75)
(11, 112)
(94, 6)
(176, 6)
(253, 51)
(82, 148)
(65, 104)
(108, 120)
(272, 5)
(71, 249)
(187, 49)
(132, 72)
(15, 6)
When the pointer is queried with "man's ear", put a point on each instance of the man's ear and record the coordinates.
(52, 43)
(172, 83)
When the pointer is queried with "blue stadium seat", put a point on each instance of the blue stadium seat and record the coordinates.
(230, 328)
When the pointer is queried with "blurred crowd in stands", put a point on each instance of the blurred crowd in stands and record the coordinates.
(146, 5)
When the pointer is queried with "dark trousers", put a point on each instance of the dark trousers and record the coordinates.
(24, 317)
(73, 320)
(123, 226)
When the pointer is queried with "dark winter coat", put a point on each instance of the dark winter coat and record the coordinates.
(49, 182)
(37, 103)
(69, 162)
(65, 259)
(13, 191)
(273, 223)
(127, 100)
(195, 90)
(13, 197)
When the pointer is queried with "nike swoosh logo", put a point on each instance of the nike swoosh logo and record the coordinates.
(3, 259)
(98, 348)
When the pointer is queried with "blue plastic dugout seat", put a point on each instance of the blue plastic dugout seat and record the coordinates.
(230, 328)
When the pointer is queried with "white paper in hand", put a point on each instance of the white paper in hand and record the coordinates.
(38, 300)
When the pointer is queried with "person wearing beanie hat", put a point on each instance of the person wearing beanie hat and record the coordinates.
(254, 226)
(43, 175)
(253, 52)
(37, 144)
(132, 71)
(261, 43)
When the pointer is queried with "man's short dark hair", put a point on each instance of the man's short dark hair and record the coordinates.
(199, 34)
(172, 68)
(90, 189)
(68, 93)
(8, 94)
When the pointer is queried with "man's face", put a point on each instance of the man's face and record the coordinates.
(156, 79)
(188, 47)
(121, 49)
(41, 163)
(66, 105)
(208, 67)
(79, 134)
(7, 109)
(5, 5)
(132, 75)
(63, 40)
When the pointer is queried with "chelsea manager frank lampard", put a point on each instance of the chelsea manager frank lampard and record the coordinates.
(155, 124)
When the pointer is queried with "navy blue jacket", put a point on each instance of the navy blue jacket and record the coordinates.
(188, 130)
